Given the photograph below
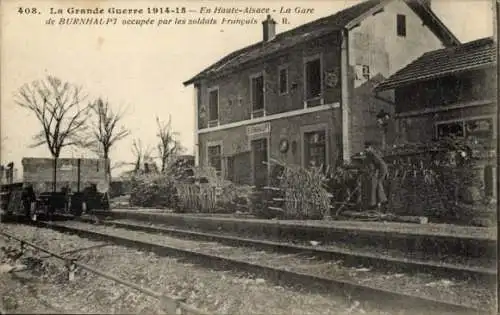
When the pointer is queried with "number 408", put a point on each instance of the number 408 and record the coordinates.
(22, 10)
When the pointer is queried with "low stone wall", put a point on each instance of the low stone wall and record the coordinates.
(40, 171)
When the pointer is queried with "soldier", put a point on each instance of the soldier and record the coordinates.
(377, 174)
(28, 197)
(67, 197)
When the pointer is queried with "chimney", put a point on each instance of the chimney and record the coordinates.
(269, 28)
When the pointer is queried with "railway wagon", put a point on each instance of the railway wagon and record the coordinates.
(80, 185)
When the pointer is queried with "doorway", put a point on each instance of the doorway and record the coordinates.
(259, 162)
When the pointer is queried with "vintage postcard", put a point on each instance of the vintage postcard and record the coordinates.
(248, 157)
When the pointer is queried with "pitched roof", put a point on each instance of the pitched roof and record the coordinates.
(316, 29)
(469, 56)
(288, 39)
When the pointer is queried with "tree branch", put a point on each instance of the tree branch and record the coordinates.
(56, 106)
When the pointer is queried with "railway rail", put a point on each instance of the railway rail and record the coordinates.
(349, 257)
(300, 268)
(171, 304)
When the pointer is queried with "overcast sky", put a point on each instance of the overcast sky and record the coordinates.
(142, 68)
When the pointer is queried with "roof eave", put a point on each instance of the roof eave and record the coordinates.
(354, 22)
(204, 75)
(190, 81)
(197, 78)
(387, 85)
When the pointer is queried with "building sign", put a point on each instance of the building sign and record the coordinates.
(203, 111)
(66, 167)
(331, 79)
(259, 129)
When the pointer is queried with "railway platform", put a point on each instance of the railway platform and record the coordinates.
(442, 238)
(429, 229)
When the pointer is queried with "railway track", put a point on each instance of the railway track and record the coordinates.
(317, 269)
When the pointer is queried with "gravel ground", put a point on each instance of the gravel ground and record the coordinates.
(462, 292)
(216, 291)
(472, 262)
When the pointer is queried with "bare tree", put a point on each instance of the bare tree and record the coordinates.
(137, 151)
(58, 107)
(141, 154)
(105, 130)
(168, 147)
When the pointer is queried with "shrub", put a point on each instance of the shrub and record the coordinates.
(207, 192)
(156, 190)
(432, 179)
(304, 191)
(189, 190)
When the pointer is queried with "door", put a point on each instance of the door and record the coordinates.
(315, 149)
(259, 158)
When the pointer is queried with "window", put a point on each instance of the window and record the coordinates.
(401, 25)
(283, 81)
(366, 72)
(362, 72)
(215, 157)
(452, 129)
(257, 94)
(313, 79)
(478, 129)
(315, 149)
(213, 108)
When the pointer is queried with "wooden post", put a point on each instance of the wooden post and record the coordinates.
(344, 83)
(54, 179)
(71, 267)
(496, 27)
(78, 169)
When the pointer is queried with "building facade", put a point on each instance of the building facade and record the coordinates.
(305, 96)
(447, 93)
(452, 93)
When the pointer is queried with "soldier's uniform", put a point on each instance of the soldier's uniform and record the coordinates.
(374, 179)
